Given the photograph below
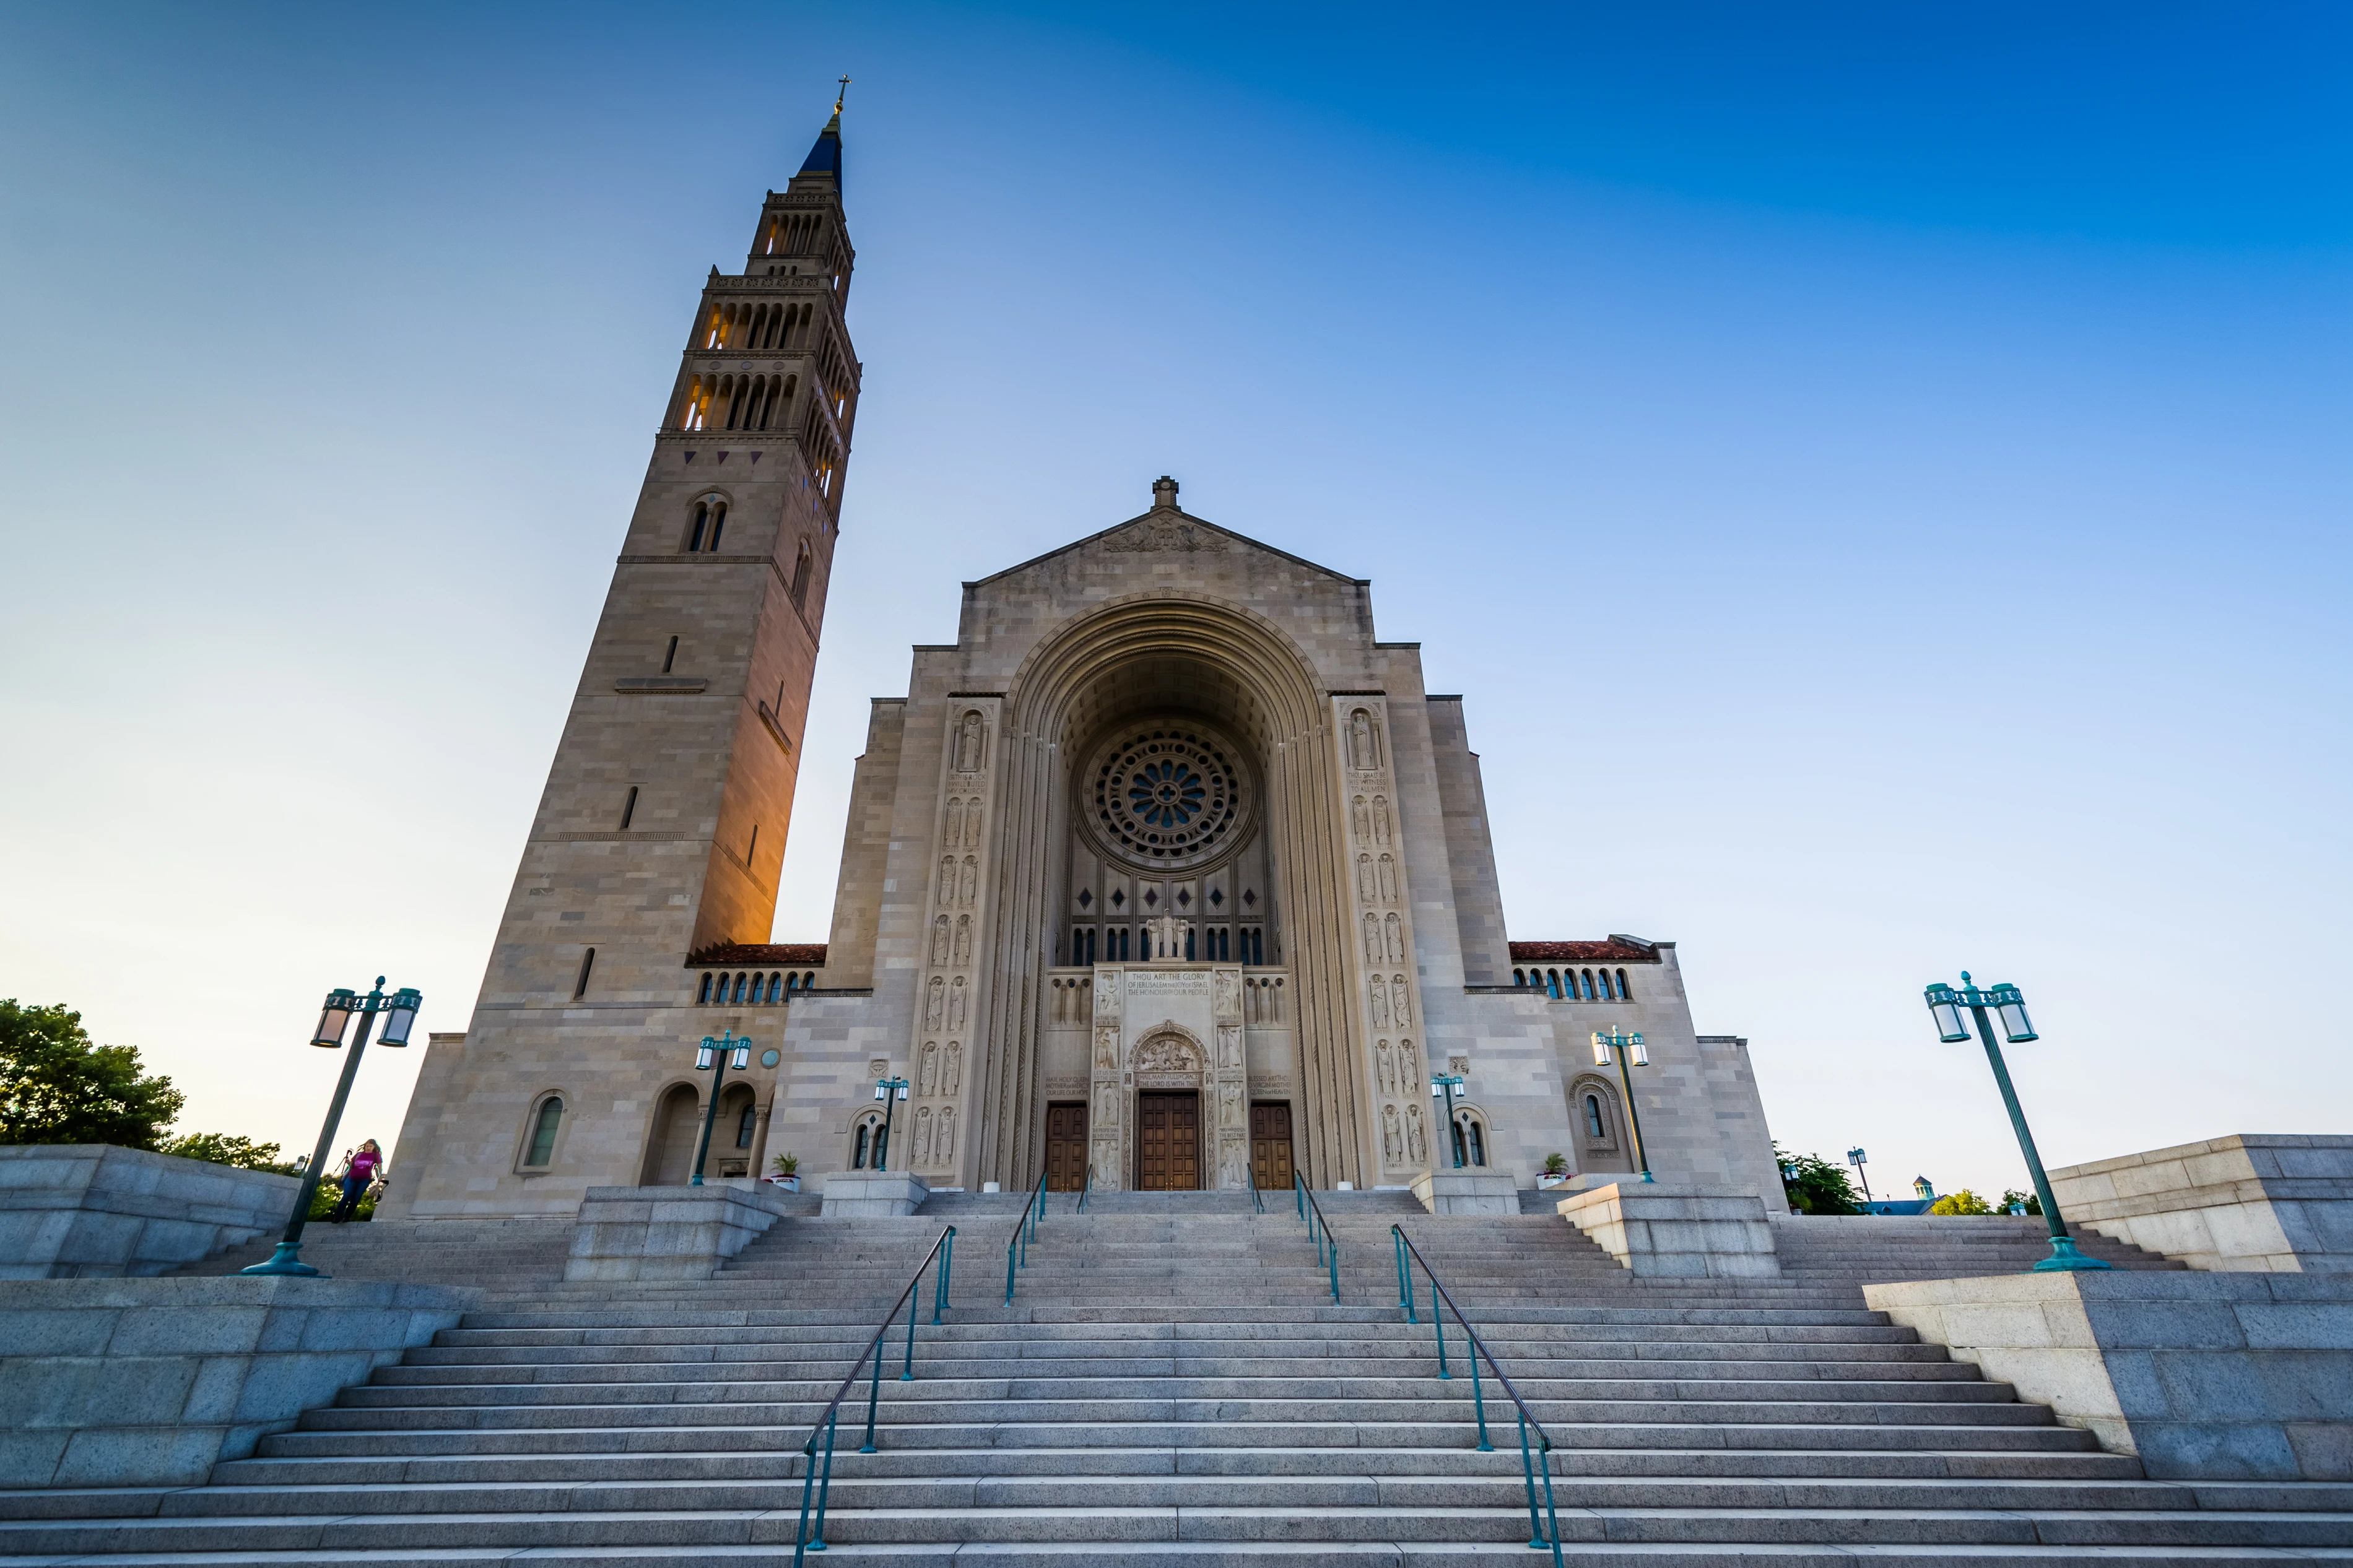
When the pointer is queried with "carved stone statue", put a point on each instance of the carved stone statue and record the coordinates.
(1361, 750)
(935, 1003)
(969, 747)
(1380, 1003)
(1372, 939)
(1408, 1075)
(927, 1074)
(943, 1150)
(956, 1003)
(1400, 1001)
(1106, 1105)
(1106, 994)
(952, 1074)
(923, 1137)
(1107, 1048)
(1388, 1066)
(968, 881)
(1230, 1045)
(1416, 1147)
(963, 941)
(1389, 879)
(1361, 818)
(1366, 888)
(940, 942)
(1228, 993)
(1393, 938)
(948, 878)
(1229, 1105)
(971, 824)
(1392, 1147)
(954, 835)
(1380, 819)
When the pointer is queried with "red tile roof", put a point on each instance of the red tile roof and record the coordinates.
(801, 954)
(1611, 951)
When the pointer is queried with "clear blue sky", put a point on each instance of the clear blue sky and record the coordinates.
(1878, 473)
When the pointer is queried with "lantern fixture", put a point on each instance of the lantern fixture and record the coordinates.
(1628, 1052)
(400, 1016)
(335, 1018)
(1945, 1007)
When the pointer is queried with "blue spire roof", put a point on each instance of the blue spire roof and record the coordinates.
(825, 157)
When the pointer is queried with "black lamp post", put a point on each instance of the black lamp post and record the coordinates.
(890, 1091)
(715, 1057)
(1944, 1006)
(399, 1011)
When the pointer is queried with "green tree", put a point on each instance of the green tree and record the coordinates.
(1962, 1202)
(55, 1087)
(228, 1149)
(2014, 1199)
(1819, 1186)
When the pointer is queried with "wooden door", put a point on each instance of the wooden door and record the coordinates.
(1168, 1142)
(1270, 1147)
(1066, 1147)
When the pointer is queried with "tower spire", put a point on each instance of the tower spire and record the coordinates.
(825, 157)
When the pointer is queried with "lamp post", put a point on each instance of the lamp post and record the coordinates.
(1944, 1006)
(1858, 1159)
(1629, 1052)
(400, 1016)
(715, 1057)
(890, 1091)
(1447, 1087)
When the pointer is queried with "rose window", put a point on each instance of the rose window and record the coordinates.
(1168, 797)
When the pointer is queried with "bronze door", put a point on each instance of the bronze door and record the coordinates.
(1066, 1147)
(1167, 1143)
(1270, 1147)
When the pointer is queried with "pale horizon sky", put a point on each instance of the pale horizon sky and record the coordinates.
(1879, 481)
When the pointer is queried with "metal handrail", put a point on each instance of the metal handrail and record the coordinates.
(1319, 1231)
(1023, 1229)
(829, 1417)
(1256, 1202)
(1086, 1185)
(1543, 1532)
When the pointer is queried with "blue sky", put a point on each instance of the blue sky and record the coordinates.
(1879, 476)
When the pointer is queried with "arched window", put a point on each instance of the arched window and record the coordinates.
(543, 1126)
(1606, 994)
(858, 1154)
(745, 1124)
(1625, 992)
(1552, 983)
(1520, 978)
(1593, 1127)
(809, 980)
(740, 980)
(703, 995)
(776, 987)
(1469, 1141)
(1589, 984)
(801, 577)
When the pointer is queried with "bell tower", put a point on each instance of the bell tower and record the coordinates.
(662, 829)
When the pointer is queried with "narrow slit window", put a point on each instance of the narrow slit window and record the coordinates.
(542, 1132)
(671, 655)
(703, 997)
(628, 808)
(587, 963)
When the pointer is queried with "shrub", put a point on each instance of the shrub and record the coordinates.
(1819, 1188)
(2014, 1199)
(1962, 1202)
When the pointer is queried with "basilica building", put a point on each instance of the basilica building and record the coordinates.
(1165, 873)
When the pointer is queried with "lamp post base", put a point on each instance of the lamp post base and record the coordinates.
(288, 1259)
(2063, 1257)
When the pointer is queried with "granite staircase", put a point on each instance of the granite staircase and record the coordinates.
(1173, 1384)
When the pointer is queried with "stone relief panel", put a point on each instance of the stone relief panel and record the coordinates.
(1170, 1028)
(947, 989)
(1392, 1073)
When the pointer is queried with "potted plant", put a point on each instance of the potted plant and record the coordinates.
(788, 1173)
(1556, 1171)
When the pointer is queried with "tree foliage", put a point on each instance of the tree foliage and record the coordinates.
(1962, 1202)
(55, 1087)
(2022, 1202)
(1819, 1186)
(228, 1149)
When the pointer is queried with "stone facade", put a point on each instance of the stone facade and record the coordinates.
(1166, 870)
(2279, 1203)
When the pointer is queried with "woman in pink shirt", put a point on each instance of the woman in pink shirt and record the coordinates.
(359, 1174)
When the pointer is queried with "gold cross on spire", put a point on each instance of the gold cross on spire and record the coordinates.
(842, 94)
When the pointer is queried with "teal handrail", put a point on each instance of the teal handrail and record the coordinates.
(1086, 1185)
(829, 1418)
(1543, 1530)
(1256, 1202)
(1023, 1229)
(1319, 1231)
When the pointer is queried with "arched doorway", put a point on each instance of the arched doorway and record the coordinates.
(1594, 1112)
(669, 1153)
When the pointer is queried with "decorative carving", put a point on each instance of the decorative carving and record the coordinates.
(877, 1068)
(1408, 1075)
(1364, 747)
(1458, 1065)
(1234, 1163)
(1392, 1145)
(962, 942)
(1373, 938)
(1388, 1066)
(935, 1003)
(1366, 888)
(1361, 818)
(1228, 993)
(971, 742)
(945, 1151)
(1230, 1045)
(1389, 879)
(1107, 1047)
(971, 824)
(940, 942)
(1165, 1052)
(1417, 1148)
(948, 878)
(1164, 535)
(954, 836)
(956, 1003)
(1229, 1105)
(1380, 819)
(968, 881)
(1107, 1105)
(1380, 1003)
(1106, 994)
(927, 1075)
(952, 1070)
(923, 1136)
(1400, 1001)
(1392, 938)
